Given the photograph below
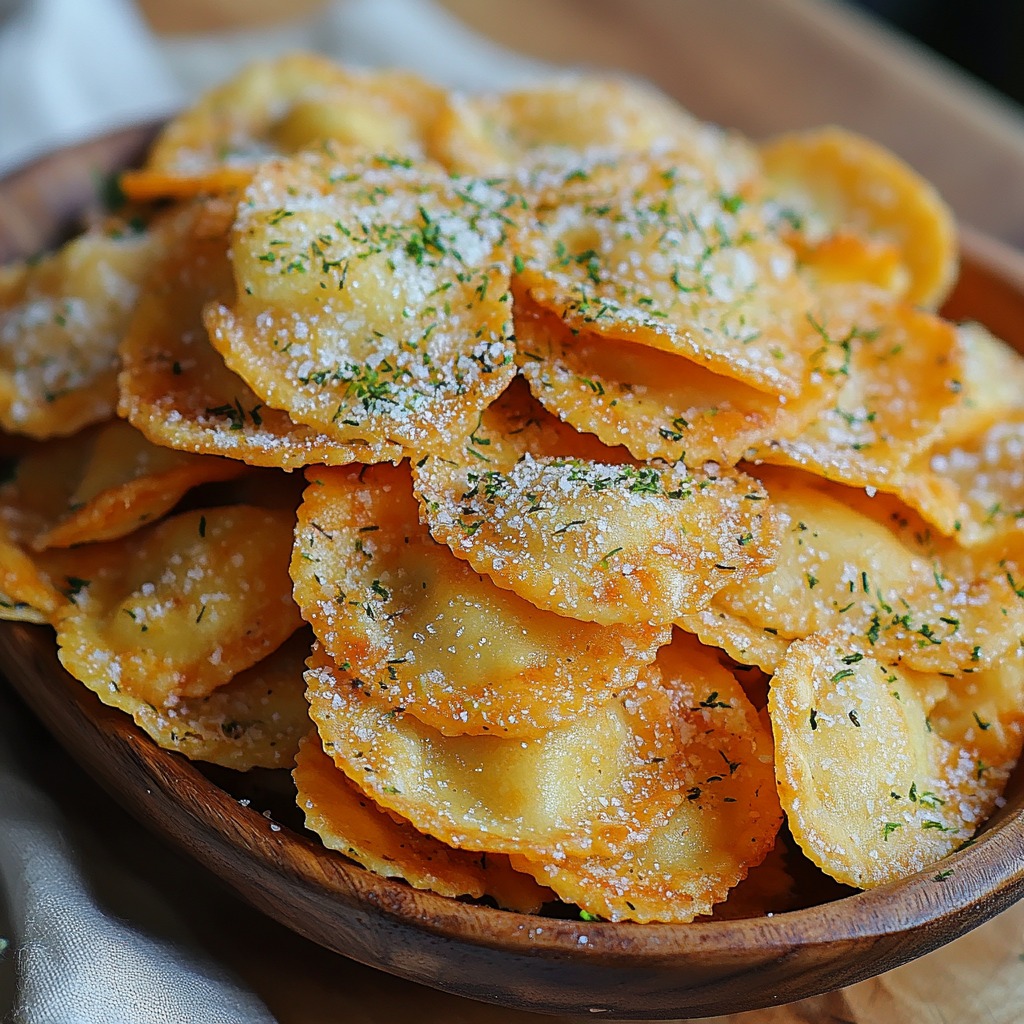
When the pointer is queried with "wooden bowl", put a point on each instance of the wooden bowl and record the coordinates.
(531, 962)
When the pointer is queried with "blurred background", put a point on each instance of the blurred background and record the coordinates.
(984, 37)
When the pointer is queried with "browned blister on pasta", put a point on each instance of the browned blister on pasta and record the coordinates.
(421, 631)
(605, 541)
(658, 404)
(279, 107)
(61, 319)
(843, 566)
(373, 298)
(181, 607)
(724, 821)
(580, 787)
(882, 771)
(175, 387)
(829, 182)
(347, 820)
(658, 253)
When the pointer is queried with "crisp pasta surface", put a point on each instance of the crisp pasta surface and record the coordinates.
(599, 510)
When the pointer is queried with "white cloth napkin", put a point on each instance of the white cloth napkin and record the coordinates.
(70, 69)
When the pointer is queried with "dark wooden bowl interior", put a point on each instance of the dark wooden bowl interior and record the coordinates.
(531, 962)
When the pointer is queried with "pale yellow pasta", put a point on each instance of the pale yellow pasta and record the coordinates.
(565, 369)
(902, 375)
(61, 319)
(658, 404)
(99, 484)
(842, 569)
(253, 721)
(829, 180)
(279, 107)
(174, 386)
(657, 253)
(556, 123)
(181, 607)
(724, 821)
(607, 542)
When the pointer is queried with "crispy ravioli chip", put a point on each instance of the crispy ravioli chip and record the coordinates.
(29, 582)
(830, 182)
(180, 608)
(842, 568)
(558, 123)
(347, 820)
(658, 404)
(603, 541)
(420, 630)
(903, 373)
(578, 788)
(99, 484)
(61, 320)
(279, 107)
(173, 384)
(373, 298)
(878, 778)
(987, 475)
(253, 721)
(657, 253)
(966, 483)
(725, 819)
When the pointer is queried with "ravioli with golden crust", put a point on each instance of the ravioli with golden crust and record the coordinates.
(175, 387)
(830, 181)
(587, 784)
(347, 820)
(61, 319)
(373, 299)
(526, 503)
(181, 607)
(724, 821)
(658, 404)
(279, 107)
(658, 253)
(418, 629)
(842, 568)
(99, 484)
(883, 772)
(255, 720)
(902, 376)
(558, 123)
